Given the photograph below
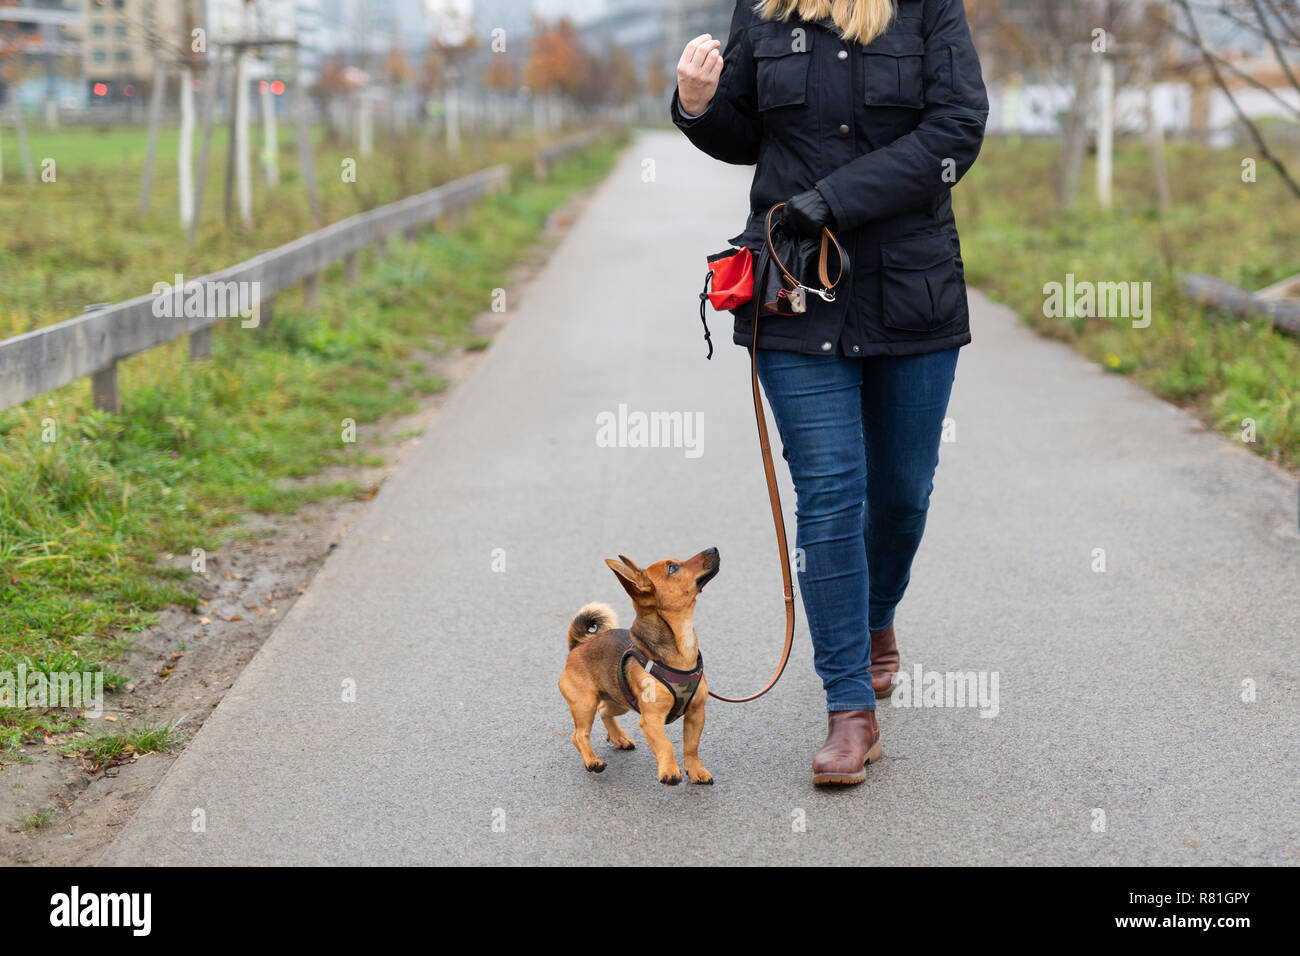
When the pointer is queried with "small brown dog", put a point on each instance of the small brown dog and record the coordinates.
(653, 667)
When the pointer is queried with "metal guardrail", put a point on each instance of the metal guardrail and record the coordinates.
(549, 154)
(45, 359)
(91, 345)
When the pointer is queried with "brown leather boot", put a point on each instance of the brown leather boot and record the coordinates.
(884, 661)
(852, 742)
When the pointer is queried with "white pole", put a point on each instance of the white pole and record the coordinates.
(453, 118)
(185, 160)
(242, 171)
(1106, 133)
(271, 146)
(366, 127)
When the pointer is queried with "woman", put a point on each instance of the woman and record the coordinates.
(861, 114)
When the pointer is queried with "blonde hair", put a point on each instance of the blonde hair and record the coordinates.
(860, 20)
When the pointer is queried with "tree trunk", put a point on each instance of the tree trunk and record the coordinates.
(1076, 132)
(24, 150)
(1155, 136)
(303, 134)
(228, 199)
(211, 94)
(155, 120)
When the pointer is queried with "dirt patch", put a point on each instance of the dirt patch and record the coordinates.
(183, 666)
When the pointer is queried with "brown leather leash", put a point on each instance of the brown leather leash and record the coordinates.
(769, 470)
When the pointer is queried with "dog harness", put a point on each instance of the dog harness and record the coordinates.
(681, 684)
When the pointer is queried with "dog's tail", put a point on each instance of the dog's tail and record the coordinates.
(590, 621)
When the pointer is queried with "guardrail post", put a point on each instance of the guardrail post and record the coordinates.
(201, 343)
(90, 347)
(350, 268)
(103, 386)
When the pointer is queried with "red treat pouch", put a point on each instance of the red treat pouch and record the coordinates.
(731, 275)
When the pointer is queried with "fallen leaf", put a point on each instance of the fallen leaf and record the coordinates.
(205, 621)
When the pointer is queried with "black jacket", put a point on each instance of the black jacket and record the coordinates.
(883, 131)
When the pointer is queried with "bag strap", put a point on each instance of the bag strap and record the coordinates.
(823, 273)
(774, 495)
(704, 297)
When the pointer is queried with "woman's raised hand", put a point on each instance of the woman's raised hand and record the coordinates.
(697, 73)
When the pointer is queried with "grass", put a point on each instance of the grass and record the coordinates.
(1225, 369)
(93, 504)
(146, 739)
(37, 820)
(81, 241)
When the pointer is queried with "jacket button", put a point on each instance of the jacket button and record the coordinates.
(843, 54)
(857, 349)
(827, 346)
(844, 128)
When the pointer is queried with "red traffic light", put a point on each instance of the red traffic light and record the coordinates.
(100, 89)
(277, 88)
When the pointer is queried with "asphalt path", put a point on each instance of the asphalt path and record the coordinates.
(1146, 713)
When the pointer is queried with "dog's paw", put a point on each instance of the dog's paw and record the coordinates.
(624, 744)
(670, 779)
(703, 776)
(596, 766)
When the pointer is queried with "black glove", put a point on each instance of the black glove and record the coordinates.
(807, 213)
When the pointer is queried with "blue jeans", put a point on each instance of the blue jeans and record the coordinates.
(861, 437)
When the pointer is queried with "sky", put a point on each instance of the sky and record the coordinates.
(577, 10)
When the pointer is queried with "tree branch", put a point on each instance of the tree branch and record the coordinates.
(1211, 62)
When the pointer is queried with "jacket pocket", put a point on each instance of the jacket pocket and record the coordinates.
(781, 62)
(893, 69)
(922, 287)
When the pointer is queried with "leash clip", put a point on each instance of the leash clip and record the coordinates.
(826, 295)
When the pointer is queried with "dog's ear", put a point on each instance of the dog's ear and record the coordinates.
(634, 580)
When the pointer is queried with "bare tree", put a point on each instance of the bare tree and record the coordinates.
(1278, 23)
(1063, 43)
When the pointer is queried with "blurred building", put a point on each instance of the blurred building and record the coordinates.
(50, 31)
(121, 39)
